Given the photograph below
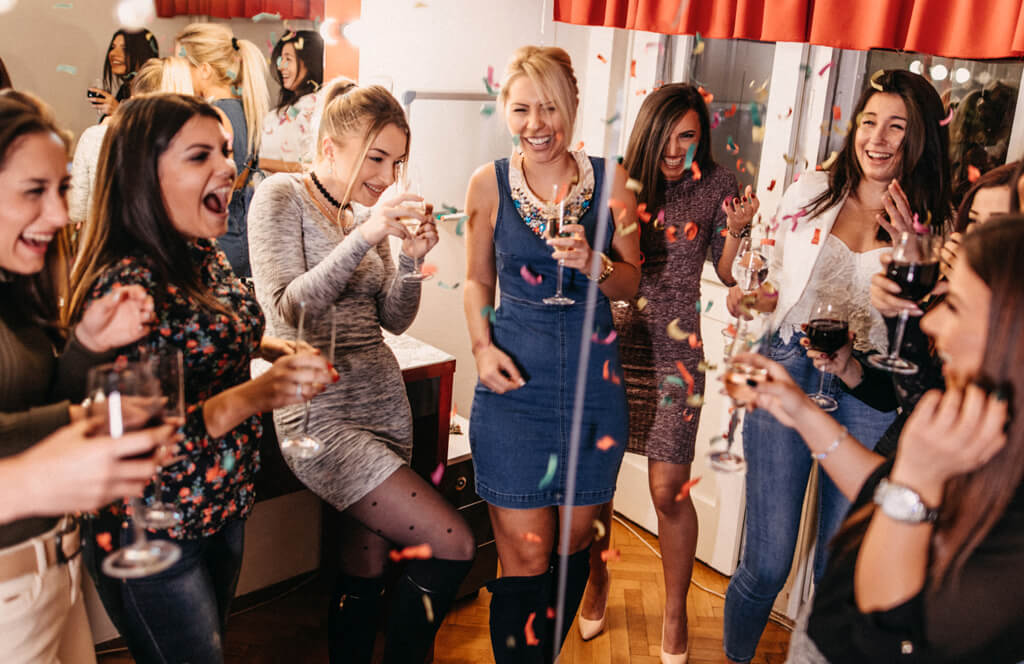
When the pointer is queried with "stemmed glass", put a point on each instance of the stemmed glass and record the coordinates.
(304, 445)
(750, 270)
(828, 331)
(555, 230)
(410, 185)
(915, 267)
(737, 378)
(122, 393)
(167, 382)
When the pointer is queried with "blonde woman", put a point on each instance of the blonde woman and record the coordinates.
(231, 74)
(316, 241)
(526, 356)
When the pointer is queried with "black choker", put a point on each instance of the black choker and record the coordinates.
(323, 191)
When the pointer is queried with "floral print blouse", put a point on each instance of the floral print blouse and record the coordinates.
(215, 481)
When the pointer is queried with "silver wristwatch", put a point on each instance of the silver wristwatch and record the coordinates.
(903, 503)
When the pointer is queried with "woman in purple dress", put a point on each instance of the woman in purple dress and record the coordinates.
(694, 206)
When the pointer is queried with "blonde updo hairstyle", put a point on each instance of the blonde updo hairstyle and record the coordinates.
(169, 74)
(236, 62)
(351, 111)
(550, 70)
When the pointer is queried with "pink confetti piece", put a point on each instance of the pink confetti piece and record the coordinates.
(641, 211)
(771, 185)
(551, 613)
(821, 72)
(611, 554)
(684, 491)
(919, 228)
(438, 473)
(607, 340)
(529, 277)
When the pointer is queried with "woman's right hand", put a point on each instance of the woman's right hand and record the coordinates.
(741, 303)
(885, 293)
(104, 102)
(840, 363)
(496, 370)
(386, 219)
(779, 394)
(292, 379)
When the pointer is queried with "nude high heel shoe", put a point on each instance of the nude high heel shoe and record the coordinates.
(591, 628)
(669, 658)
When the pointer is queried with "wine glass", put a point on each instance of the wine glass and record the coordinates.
(122, 394)
(828, 331)
(167, 382)
(750, 270)
(304, 445)
(915, 267)
(410, 185)
(554, 229)
(737, 378)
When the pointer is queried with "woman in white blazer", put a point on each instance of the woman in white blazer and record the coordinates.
(832, 228)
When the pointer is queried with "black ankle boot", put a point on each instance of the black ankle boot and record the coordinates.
(411, 625)
(352, 619)
(576, 583)
(513, 599)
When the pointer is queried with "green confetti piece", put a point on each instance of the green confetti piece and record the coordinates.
(266, 16)
(460, 227)
(488, 313)
(63, 5)
(280, 59)
(550, 474)
(690, 152)
(613, 119)
(273, 42)
(227, 462)
(487, 110)
(755, 114)
(448, 209)
(67, 69)
(293, 112)
(448, 286)
(675, 380)
(487, 84)
(666, 400)
(515, 140)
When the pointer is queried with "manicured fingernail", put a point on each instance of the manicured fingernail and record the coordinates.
(751, 382)
(1001, 394)
(330, 367)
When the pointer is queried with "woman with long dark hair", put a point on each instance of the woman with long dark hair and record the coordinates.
(127, 51)
(833, 228)
(162, 197)
(928, 564)
(289, 129)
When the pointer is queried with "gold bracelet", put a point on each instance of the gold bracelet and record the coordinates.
(607, 267)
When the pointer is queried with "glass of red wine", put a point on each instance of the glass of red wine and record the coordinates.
(828, 331)
(915, 267)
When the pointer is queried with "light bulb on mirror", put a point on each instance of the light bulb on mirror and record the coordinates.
(135, 14)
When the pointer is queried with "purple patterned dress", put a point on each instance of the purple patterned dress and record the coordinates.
(661, 424)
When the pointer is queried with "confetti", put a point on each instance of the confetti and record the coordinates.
(634, 185)
(510, 642)
(837, 113)
(579, 146)
(531, 637)
(704, 367)
(605, 443)
(695, 400)
(696, 171)
(611, 554)
(919, 228)
(266, 16)
(674, 332)
(660, 222)
(740, 167)
(515, 141)
(821, 72)
(731, 112)
(666, 400)
(708, 97)
(693, 340)
(757, 134)
(641, 302)
(973, 173)
(532, 538)
(641, 211)
(670, 234)
(550, 474)
(488, 313)
(550, 613)
(608, 374)
(632, 69)
(788, 114)
(418, 552)
(599, 529)
(698, 47)
(487, 110)
(874, 80)
(529, 277)
(602, 58)
(686, 376)
(827, 164)
(716, 119)
(761, 93)
(63, 5)
(749, 165)
(690, 152)
(104, 540)
(613, 119)
(428, 607)
(67, 69)
(789, 160)
(684, 491)
(607, 340)
(435, 477)
(690, 230)
(771, 185)
(688, 416)
(675, 380)
(428, 269)
(626, 230)
(460, 225)
(731, 146)
(817, 236)
(755, 114)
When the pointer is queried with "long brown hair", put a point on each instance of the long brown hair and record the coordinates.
(128, 216)
(924, 171)
(36, 296)
(972, 503)
(997, 177)
(659, 113)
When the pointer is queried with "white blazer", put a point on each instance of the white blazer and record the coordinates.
(797, 249)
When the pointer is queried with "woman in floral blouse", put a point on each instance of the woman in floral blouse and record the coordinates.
(163, 190)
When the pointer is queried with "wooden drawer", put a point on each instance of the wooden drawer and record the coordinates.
(458, 484)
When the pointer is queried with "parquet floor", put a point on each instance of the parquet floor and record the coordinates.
(291, 629)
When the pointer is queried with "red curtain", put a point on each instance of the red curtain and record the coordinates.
(295, 9)
(951, 28)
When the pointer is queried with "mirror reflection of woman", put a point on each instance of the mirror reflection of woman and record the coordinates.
(672, 126)
(527, 351)
(127, 51)
(833, 228)
(162, 197)
(319, 250)
(289, 129)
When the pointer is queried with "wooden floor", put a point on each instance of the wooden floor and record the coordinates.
(292, 628)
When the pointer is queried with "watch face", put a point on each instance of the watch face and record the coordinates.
(901, 503)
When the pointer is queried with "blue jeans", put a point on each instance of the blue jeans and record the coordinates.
(178, 615)
(778, 466)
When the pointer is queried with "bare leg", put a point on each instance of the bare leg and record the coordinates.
(595, 600)
(677, 535)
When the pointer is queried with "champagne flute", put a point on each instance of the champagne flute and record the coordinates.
(738, 377)
(304, 445)
(828, 331)
(166, 381)
(410, 185)
(555, 230)
(750, 270)
(915, 267)
(122, 393)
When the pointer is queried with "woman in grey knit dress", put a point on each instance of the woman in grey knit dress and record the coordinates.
(314, 240)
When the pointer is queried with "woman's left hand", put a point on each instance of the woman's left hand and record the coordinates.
(739, 212)
(116, 319)
(897, 206)
(417, 246)
(573, 249)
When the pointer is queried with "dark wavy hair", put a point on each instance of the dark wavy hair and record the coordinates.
(997, 177)
(924, 170)
(138, 47)
(661, 110)
(35, 296)
(128, 215)
(309, 49)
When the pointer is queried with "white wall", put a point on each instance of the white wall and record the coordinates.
(36, 37)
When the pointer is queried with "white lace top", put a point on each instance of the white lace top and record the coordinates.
(290, 134)
(83, 171)
(846, 276)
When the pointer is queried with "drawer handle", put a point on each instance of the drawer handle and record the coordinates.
(460, 483)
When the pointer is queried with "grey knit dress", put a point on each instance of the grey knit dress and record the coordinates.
(299, 255)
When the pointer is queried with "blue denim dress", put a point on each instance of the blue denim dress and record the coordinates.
(517, 437)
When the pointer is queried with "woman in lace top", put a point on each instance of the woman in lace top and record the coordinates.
(289, 129)
(893, 170)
